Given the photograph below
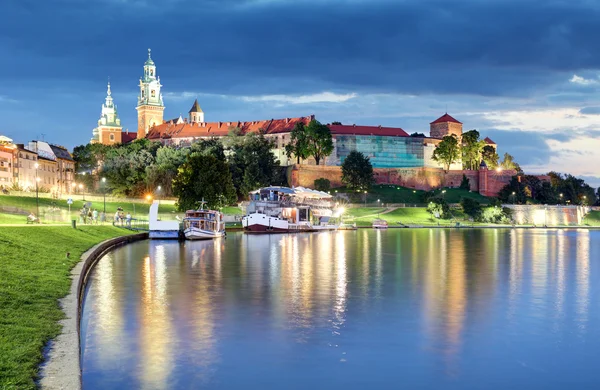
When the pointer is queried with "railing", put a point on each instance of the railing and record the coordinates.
(135, 224)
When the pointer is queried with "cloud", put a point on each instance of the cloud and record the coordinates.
(323, 97)
(582, 81)
(590, 111)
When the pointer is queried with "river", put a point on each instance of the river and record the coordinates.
(403, 308)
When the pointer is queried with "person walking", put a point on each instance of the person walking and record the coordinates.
(95, 216)
(128, 219)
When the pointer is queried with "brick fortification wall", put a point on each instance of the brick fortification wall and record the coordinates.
(417, 178)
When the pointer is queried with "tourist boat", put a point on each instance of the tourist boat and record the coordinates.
(289, 210)
(158, 229)
(203, 224)
(380, 224)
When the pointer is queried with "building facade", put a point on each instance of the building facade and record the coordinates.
(445, 125)
(66, 169)
(109, 130)
(8, 157)
(150, 106)
(26, 160)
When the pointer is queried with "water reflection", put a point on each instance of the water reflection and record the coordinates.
(280, 311)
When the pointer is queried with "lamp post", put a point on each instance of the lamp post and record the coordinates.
(365, 198)
(37, 200)
(104, 193)
(513, 196)
(158, 194)
(584, 200)
(561, 198)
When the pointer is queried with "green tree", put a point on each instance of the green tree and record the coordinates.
(322, 184)
(251, 162)
(357, 171)
(163, 171)
(472, 148)
(211, 146)
(319, 140)
(203, 177)
(298, 145)
(509, 163)
(89, 157)
(513, 192)
(439, 208)
(336, 123)
(490, 157)
(464, 184)
(125, 167)
(447, 151)
(418, 135)
(471, 207)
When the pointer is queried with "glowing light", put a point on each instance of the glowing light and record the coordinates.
(499, 169)
(37, 179)
(81, 186)
(36, 165)
(103, 180)
(148, 197)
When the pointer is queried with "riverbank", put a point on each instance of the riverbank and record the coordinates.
(34, 275)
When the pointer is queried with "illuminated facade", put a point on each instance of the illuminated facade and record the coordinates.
(150, 106)
(109, 130)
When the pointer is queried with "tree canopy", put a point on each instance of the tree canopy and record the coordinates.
(490, 157)
(319, 140)
(472, 148)
(251, 162)
(205, 177)
(447, 151)
(298, 145)
(357, 171)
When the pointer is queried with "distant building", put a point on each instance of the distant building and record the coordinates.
(66, 169)
(445, 125)
(7, 162)
(109, 127)
(47, 170)
(26, 171)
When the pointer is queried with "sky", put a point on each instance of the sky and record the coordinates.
(525, 73)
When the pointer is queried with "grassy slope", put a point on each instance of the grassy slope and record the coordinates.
(592, 219)
(396, 194)
(34, 274)
(406, 216)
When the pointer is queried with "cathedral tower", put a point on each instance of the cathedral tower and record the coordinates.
(445, 125)
(150, 102)
(109, 130)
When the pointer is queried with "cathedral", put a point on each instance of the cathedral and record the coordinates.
(150, 110)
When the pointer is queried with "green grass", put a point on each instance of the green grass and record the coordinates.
(232, 210)
(34, 274)
(405, 216)
(6, 218)
(592, 219)
(387, 193)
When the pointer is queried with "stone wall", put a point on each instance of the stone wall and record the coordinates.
(544, 215)
(417, 178)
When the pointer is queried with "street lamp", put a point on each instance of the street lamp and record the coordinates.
(584, 200)
(104, 193)
(37, 200)
(561, 197)
(158, 189)
(513, 196)
(365, 198)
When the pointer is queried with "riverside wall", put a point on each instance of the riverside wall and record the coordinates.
(62, 369)
(486, 182)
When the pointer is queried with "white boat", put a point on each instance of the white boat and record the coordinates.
(289, 210)
(347, 226)
(203, 224)
(161, 229)
(380, 224)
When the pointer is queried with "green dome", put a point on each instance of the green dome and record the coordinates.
(149, 60)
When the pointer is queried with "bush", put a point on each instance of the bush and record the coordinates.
(495, 214)
(322, 184)
(439, 209)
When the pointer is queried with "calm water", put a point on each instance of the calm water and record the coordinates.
(413, 309)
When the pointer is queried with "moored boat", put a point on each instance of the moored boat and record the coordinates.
(289, 210)
(380, 224)
(347, 226)
(203, 224)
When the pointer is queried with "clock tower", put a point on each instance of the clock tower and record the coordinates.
(150, 102)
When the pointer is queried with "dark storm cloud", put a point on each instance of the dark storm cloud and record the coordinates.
(472, 47)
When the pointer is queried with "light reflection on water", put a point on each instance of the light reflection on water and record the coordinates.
(423, 308)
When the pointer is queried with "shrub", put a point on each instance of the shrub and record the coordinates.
(322, 184)
(464, 184)
(439, 209)
(471, 207)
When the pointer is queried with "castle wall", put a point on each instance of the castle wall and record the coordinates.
(544, 215)
(418, 178)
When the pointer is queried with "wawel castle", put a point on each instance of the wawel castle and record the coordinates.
(387, 147)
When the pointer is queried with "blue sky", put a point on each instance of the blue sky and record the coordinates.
(523, 72)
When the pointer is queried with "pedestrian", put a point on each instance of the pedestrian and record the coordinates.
(95, 216)
(128, 218)
(90, 216)
(116, 218)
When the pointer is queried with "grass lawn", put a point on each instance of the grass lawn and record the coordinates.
(34, 274)
(405, 216)
(12, 218)
(231, 210)
(388, 193)
(592, 219)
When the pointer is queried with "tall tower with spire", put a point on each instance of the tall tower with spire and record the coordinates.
(150, 106)
(109, 130)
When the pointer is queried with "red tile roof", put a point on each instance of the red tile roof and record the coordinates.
(219, 129)
(445, 118)
(128, 136)
(489, 141)
(367, 130)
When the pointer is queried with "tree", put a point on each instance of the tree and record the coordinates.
(165, 168)
(336, 123)
(319, 140)
(472, 148)
(88, 158)
(251, 162)
(298, 145)
(510, 163)
(212, 147)
(490, 157)
(471, 207)
(203, 177)
(418, 135)
(447, 151)
(464, 184)
(439, 208)
(513, 192)
(125, 166)
(322, 184)
(573, 189)
(357, 171)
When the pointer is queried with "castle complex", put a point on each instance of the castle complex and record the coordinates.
(389, 148)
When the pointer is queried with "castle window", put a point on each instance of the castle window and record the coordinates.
(112, 137)
(153, 93)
